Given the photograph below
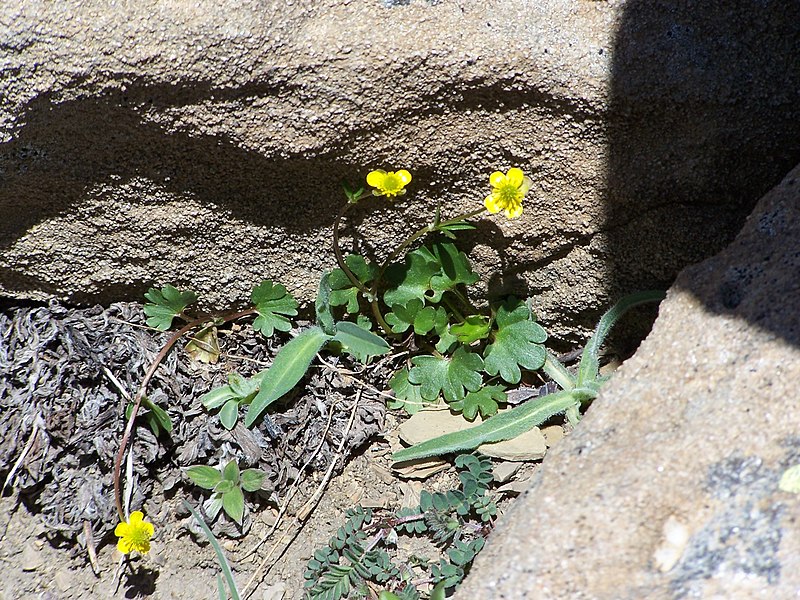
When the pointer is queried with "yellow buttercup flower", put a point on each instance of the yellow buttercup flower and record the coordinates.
(389, 184)
(508, 192)
(135, 534)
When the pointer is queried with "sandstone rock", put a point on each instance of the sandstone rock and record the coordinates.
(203, 143)
(669, 487)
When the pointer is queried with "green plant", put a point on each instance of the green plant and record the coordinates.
(226, 487)
(578, 391)
(364, 549)
(223, 562)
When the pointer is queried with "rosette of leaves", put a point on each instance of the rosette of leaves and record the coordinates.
(239, 391)
(227, 487)
(522, 350)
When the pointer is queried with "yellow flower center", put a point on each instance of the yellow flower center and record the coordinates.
(508, 194)
(392, 184)
(139, 537)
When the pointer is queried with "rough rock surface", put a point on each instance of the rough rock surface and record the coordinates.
(201, 143)
(669, 486)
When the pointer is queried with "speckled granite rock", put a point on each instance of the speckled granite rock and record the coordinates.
(201, 143)
(669, 487)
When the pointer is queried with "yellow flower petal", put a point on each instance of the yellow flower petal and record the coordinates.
(497, 179)
(404, 176)
(124, 545)
(122, 529)
(515, 176)
(490, 204)
(526, 185)
(514, 210)
(375, 178)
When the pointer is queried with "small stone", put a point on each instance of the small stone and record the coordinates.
(504, 471)
(676, 536)
(62, 581)
(553, 434)
(31, 558)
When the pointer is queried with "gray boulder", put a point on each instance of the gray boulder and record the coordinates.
(144, 144)
(669, 487)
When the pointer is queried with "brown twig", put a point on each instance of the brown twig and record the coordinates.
(143, 387)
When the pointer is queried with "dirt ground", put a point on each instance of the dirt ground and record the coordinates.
(183, 567)
(63, 377)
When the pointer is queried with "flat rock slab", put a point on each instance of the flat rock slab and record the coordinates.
(669, 488)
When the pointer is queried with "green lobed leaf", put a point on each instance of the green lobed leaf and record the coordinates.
(455, 268)
(359, 342)
(451, 377)
(402, 315)
(411, 279)
(233, 504)
(289, 366)
(166, 304)
(204, 476)
(407, 395)
(272, 302)
(503, 426)
(485, 401)
(343, 292)
(472, 329)
(517, 343)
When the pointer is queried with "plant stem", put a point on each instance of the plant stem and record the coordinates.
(422, 231)
(140, 394)
(557, 372)
(338, 251)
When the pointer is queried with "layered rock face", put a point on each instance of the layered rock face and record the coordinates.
(670, 486)
(203, 143)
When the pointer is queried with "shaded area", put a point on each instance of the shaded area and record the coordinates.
(705, 119)
(63, 149)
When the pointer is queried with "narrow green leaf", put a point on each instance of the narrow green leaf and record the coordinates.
(322, 306)
(223, 562)
(204, 476)
(273, 303)
(161, 417)
(287, 369)
(233, 504)
(589, 366)
(229, 414)
(358, 342)
(165, 305)
(217, 397)
(503, 426)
